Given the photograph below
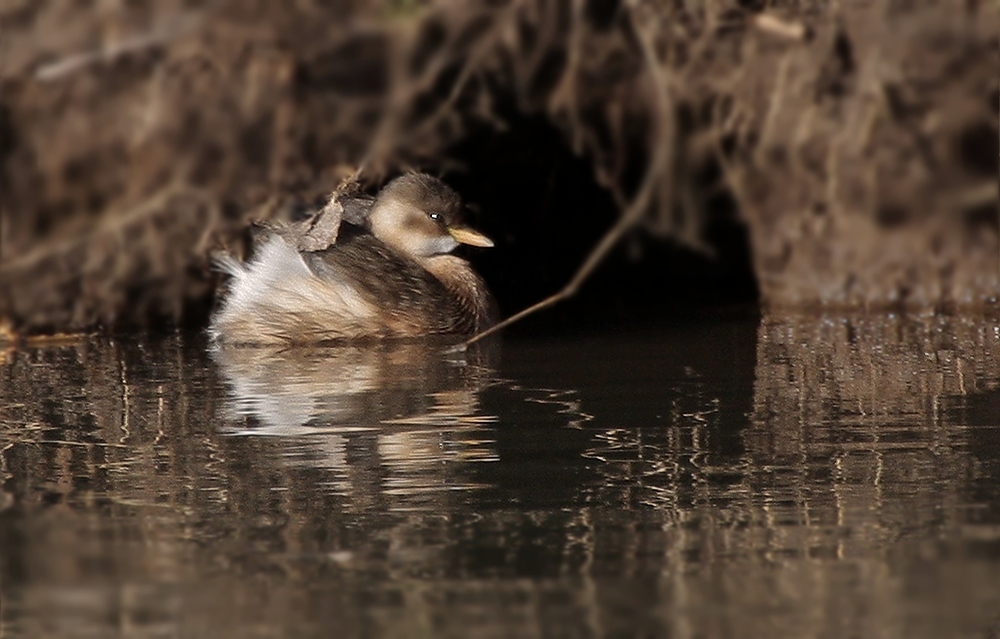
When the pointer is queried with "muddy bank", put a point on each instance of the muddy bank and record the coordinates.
(827, 155)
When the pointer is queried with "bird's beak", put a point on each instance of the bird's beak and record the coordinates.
(465, 235)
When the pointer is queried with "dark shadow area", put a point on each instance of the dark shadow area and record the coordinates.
(980, 412)
(541, 205)
(677, 372)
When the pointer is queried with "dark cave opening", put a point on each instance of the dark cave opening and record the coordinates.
(541, 205)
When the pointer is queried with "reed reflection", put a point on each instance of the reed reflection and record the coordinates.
(839, 470)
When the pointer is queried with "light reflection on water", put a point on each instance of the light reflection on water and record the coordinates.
(804, 475)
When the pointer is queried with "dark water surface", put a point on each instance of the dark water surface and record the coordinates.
(796, 476)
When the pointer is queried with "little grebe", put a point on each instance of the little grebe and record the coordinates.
(392, 277)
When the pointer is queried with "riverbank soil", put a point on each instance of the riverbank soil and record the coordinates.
(828, 153)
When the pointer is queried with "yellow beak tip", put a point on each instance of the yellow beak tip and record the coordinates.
(465, 235)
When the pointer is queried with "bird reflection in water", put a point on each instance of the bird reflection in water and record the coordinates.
(414, 401)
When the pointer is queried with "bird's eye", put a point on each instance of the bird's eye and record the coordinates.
(434, 216)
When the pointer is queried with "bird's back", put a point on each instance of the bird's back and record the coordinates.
(408, 299)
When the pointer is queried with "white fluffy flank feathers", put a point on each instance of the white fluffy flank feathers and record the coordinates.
(275, 297)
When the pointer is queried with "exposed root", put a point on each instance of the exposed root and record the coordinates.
(654, 184)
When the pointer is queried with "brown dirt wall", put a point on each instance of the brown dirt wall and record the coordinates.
(857, 140)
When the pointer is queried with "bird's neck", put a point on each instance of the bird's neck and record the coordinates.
(458, 277)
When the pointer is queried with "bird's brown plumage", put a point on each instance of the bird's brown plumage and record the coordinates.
(394, 278)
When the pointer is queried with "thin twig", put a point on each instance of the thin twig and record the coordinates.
(388, 134)
(127, 46)
(774, 25)
(657, 171)
(565, 94)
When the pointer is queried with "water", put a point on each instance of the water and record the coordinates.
(796, 476)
